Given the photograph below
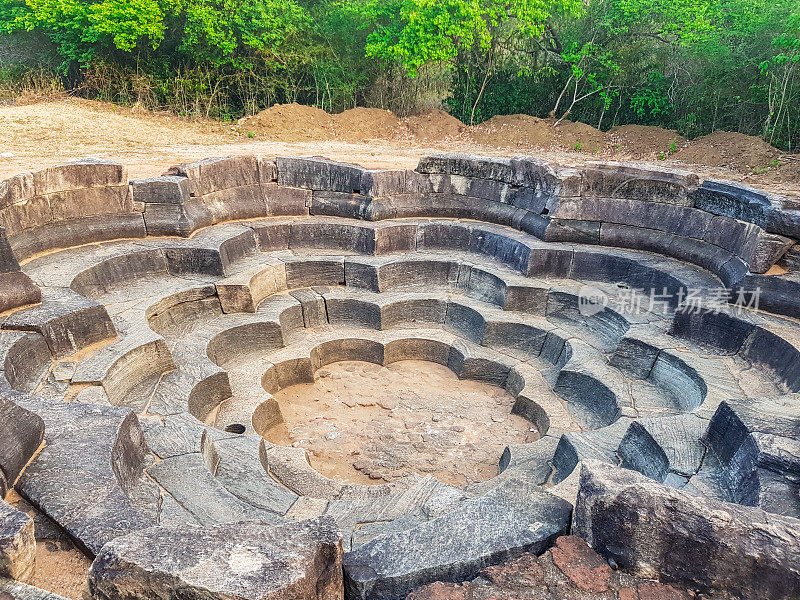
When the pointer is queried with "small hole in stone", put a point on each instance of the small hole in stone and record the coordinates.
(236, 428)
(545, 211)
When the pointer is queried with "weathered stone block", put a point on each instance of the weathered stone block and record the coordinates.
(76, 232)
(24, 358)
(284, 201)
(107, 200)
(467, 165)
(16, 189)
(67, 321)
(169, 189)
(17, 544)
(176, 219)
(31, 212)
(215, 174)
(83, 173)
(297, 561)
(17, 289)
(638, 182)
(506, 522)
(21, 434)
(547, 180)
(89, 493)
(660, 532)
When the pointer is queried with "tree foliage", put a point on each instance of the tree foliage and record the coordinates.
(693, 65)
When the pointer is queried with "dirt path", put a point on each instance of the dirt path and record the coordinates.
(38, 135)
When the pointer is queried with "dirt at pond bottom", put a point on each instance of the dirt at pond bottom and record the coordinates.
(365, 423)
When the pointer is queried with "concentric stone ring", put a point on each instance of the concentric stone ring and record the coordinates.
(635, 315)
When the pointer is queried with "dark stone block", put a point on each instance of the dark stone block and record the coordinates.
(170, 189)
(640, 452)
(340, 204)
(24, 359)
(214, 174)
(506, 522)
(82, 173)
(178, 220)
(284, 201)
(719, 331)
(657, 531)
(333, 236)
(418, 275)
(394, 237)
(565, 230)
(467, 165)
(435, 235)
(8, 262)
(532, 223)
(353, 312)
(638, 182)
(516, 337)
(21, 434)
(245, 202)
(67, 321)
(311, 271)
(301, 561)
(360, 274)
(465, 321)
(17, 289)
(87, 493)
(763, 347)
(512, 252)
(308, 173)
(76, 232)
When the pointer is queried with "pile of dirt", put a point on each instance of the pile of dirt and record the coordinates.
(289, 123)
(514, 131)
(735, 151)
(525, 131)
(645, 141)
(435, 125)
(361, 124)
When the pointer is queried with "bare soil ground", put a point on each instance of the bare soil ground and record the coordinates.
(365, 423)
(36, 135)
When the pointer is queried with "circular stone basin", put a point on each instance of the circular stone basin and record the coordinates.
(365, 423)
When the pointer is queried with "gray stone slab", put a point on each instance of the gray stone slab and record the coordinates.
(659, 532)
(88, 472)
(241, 472)
(21, 433)
(66, 320)
(17, 544)
(187, 479)
(453, 547)
(301, 561)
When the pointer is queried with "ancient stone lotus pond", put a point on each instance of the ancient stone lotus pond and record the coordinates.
(608, 345)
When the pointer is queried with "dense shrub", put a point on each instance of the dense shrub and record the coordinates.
(693, 65)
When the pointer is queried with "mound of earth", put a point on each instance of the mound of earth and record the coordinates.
(435, 125)
(290, 123)
(645, 141)
(735, 151)
(525, 131)
(359, 124)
